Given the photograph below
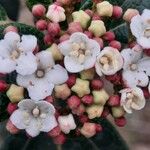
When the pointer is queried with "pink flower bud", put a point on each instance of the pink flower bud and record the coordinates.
(114, 100)
(99, 128)
(117, 12)
(79, 110)
(54, 132)
(64, 37)
(87, 99)
(38, 10)
(83, 119)
(49, 99)
(60, 139)
(89, 12)
(11, 128)
(53, 29)
(97, 84)
(41, 24)
(89, 34)
(120, 122)
(115, 44)
(74, 102)
(74, 27)
(129, 14)
(10, 28)
(3, 86)
(48, 40)
(109, 36)
(96, 17)
(11, 107)
(71, 80)
(100, 41)
(105, 112)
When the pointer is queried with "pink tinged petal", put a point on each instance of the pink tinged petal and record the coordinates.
(26, 104)
(72, 65)
(26, 64)
(7, 65)
(33, 129)
(143, 65)
(12, 38)
(79, 37)
(98, 68)
(144, 42)
(137, 26)
(49, 123)
(89, 62)
(65, 47)
(28, 43)
(131, 56)
(45, 60)
(25, 81)
(40, 89)
(94, 47)
(17, 119)
(57, 75)
(134, 78)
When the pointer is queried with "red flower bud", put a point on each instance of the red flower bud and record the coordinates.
(89, 12)
(109, 36)
(49, 99)
(38, 10)
(74, 27)
(87, 99)
(41, 25)
(99, 41)
(48, 40)
(146, 92)
(96, 17)
(97, 84)
(114, 100)
(89, 34)
(120, 122)
(99, 128)
(71, 80)
(74, 102)
(11, 107)
(11, 128)
(53, 29)
(105, 112)
(64, 38)
(3, 86)
(117, 12)
(83, 119)
(115, 44)
(60, 139)
(54, 132)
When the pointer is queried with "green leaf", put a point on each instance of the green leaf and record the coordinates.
(26, 29)
(116, 2)
(86, 4)
(30, 3)
(3, 14)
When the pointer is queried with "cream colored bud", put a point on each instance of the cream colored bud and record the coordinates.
(97, 27)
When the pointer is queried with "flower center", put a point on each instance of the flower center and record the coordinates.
(79, 51)
(133, 67)
(15, 54)
(40, 73)
(105, 62)
(36, 112)
(147, 33)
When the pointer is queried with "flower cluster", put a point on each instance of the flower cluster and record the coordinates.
(85, 73)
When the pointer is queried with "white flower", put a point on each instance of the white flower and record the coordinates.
(41, 83)
(132, 98)
(17, 54)
(66, 123)
(136, 69)
(109, 61)
(34, 117)
(56, 13)
(140, 27)
(80, 52)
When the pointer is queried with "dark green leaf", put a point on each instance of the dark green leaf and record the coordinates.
(3, 14)
(30, 3)
(86, 4)
(116, 2)
(26, 29)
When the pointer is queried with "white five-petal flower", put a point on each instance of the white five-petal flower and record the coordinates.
(80, 52)
(109, 61)
(136, 67)
(132, 99)
(41, 83)
(34, 116)
(140, 27)
(17, 54)
(66, 123)
(56, 13)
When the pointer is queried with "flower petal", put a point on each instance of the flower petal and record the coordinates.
(144, 42)
(29, 43)
(34, 128)
(79, 37)
(131, 56)
(65, 47)
(40, 89)
(7, 65)
(134, 78)
(45, 59)
(72, 65)
(89, 62)
(26, 64)
(49, 123)
(145, 15)
(12, 38)
(4, 49)
(17, 119)
(136, 26)
(57, 75)
(98, 69)
(143, 65)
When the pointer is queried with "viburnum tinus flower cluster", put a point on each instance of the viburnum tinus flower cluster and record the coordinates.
(65, 88)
